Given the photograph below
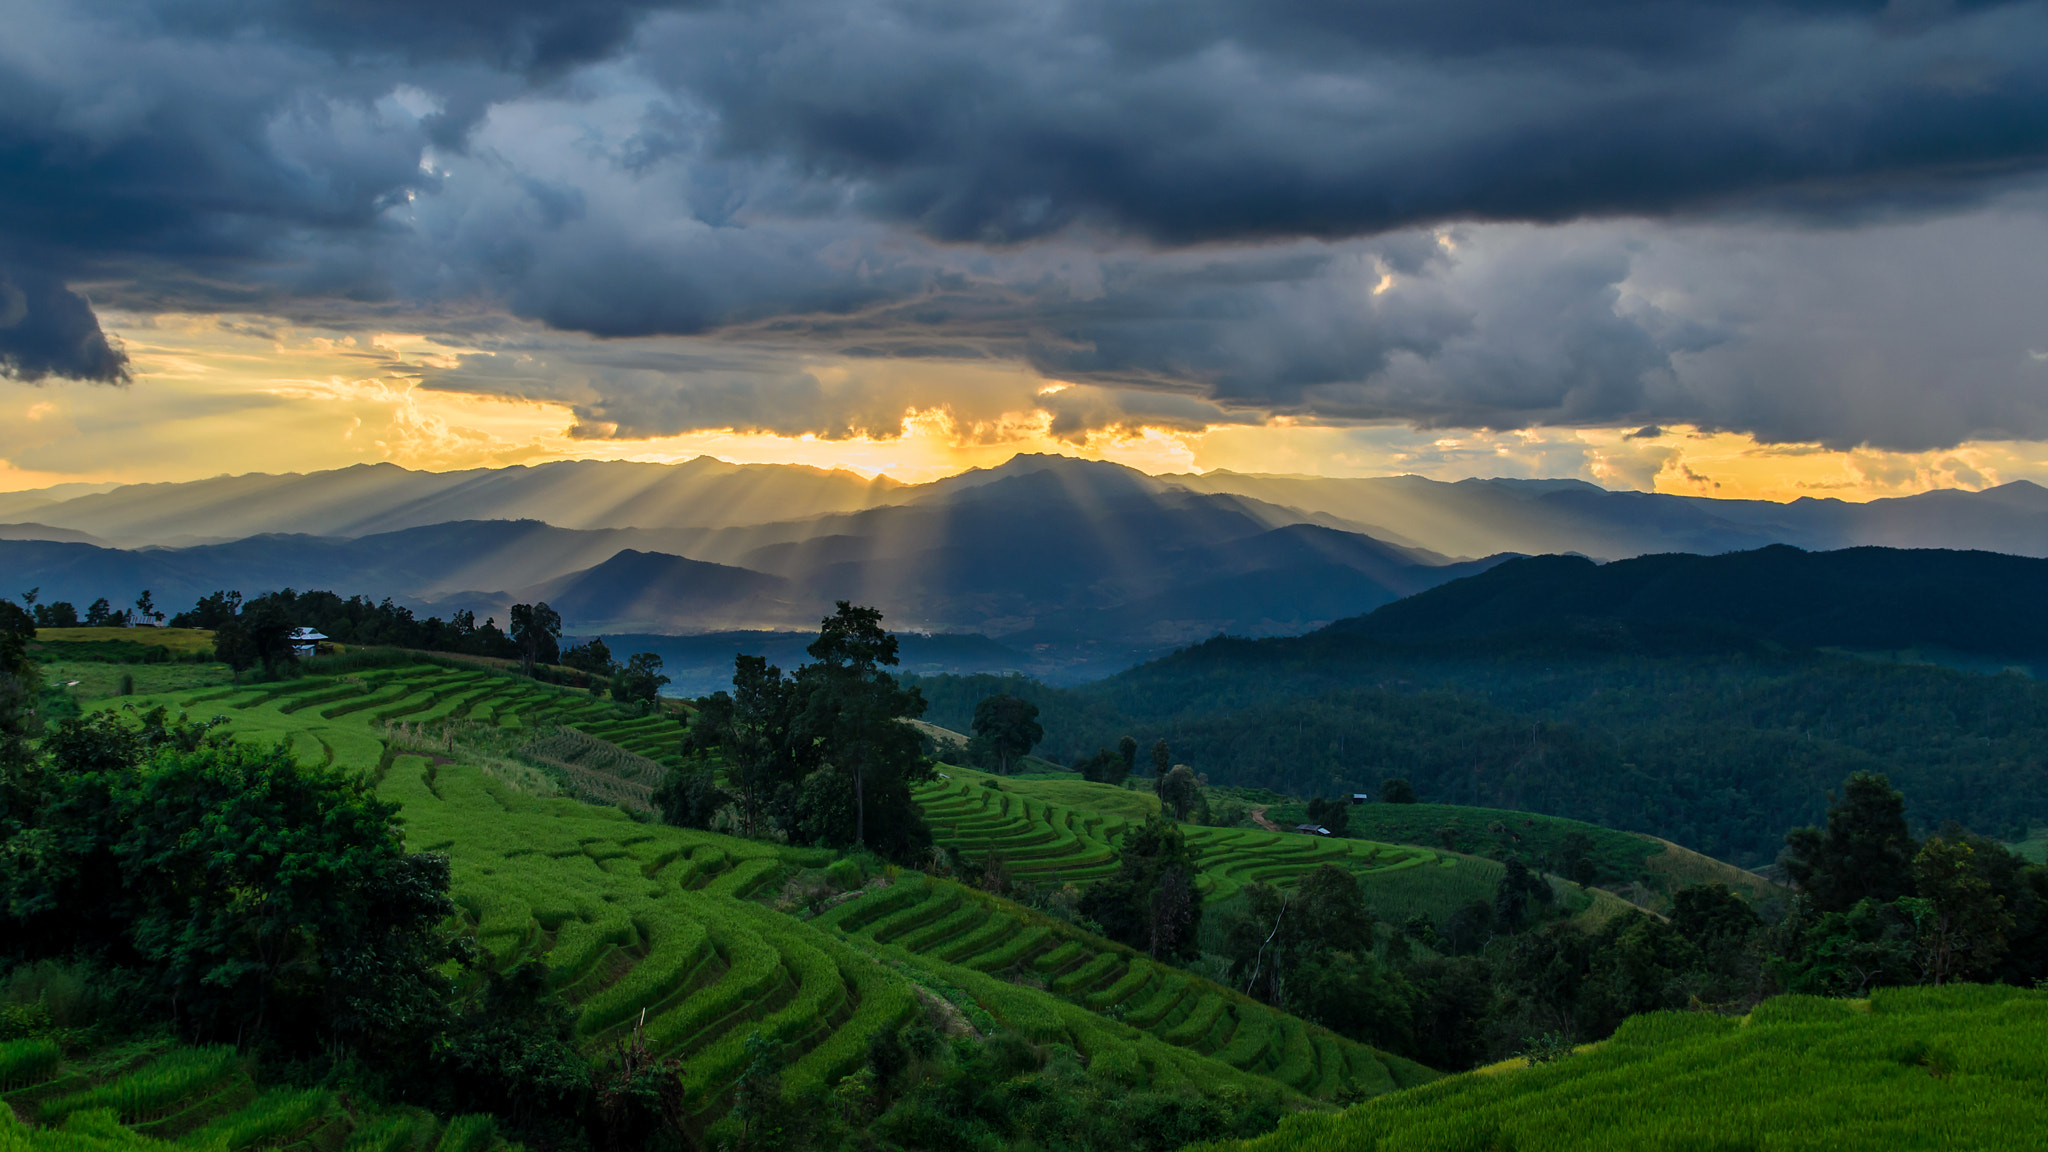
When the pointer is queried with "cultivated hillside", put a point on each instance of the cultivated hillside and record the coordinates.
(698, 931)
(1955, 1067)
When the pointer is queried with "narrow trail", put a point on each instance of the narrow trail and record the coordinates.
(1259, 818)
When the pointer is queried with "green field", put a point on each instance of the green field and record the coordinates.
(180, 641)
(165, 1097)
(1647, 868)
(1061, 830)
(2035, 846)
(1912, 1068)
(989, 945)
(636, 918)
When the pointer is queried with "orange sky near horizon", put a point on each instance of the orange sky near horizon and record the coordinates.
(209, 399)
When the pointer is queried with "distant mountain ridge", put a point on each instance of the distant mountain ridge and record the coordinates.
(1466, 518)
(1083, 566)
(1982, 603)
(1087, 567)
(366, 499)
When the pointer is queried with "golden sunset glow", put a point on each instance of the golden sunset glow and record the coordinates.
(214, 396)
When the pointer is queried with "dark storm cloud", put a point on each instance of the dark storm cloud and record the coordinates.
(1219, 119)
(514, 35)
(1197, 211)
(48, 330)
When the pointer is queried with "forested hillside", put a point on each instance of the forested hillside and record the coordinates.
(1719, 748)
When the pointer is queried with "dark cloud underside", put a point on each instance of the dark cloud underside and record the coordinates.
(1804, 220)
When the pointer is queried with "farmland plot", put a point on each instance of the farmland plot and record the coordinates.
(648, 927)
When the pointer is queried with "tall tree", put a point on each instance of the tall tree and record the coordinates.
(1283, 930)
(1179, 790)
(1105, 767)
(536, 629)
(640, 680)
(260, 634)
(752, 727)
(57, 614)
(1962, 917)
(1864, 853)
(1334, 815)
(21, 685)
(1162, 758)
(145, 607)
(852, 723)
(1151, 903)
(210, 612)
(592, 656)
(1006, 728)
(1127, 749)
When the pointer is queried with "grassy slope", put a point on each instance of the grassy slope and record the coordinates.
(1066, 829)
(180, 641)
(1913, 1068)
(161, 1097)
(1624, 858)
(636, 916)
(2035, 846)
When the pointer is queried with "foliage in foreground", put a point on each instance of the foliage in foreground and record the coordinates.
(1955, 1067)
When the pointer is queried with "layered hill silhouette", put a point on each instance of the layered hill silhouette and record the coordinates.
(1469, 518)
(1981, 603)
(1089, 566)
(1084, 567)
(373, 498)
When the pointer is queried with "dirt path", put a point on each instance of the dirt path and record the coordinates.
(1259, 818)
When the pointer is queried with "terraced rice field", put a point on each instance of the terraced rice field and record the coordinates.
(1924, 1068)
(170, 1097)
(971, 939)
(658, 928)
(1045, 841)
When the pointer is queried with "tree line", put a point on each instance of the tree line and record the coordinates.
(1719, 751)
(822, 756)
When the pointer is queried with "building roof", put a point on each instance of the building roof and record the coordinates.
(306, 636)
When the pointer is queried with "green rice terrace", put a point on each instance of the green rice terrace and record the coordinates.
(1910, 1068)
(676, 934)
(170, 1098)
(695, 944)
(1047, 841)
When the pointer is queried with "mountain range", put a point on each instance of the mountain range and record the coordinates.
(1468, 518)
(1076, 567)
(1079, 567)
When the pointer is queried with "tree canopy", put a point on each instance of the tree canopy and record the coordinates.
(265, 898)
(824, 756)
(1006, 729)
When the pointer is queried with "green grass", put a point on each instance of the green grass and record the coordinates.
(2035, 846)
(642, 922)
(181, 641)
(152, 1090)
(1912, 1068)
(1067, 830)
(964, 938)
(26, 1062)
(97, 679)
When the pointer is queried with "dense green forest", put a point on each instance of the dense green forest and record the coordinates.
(1720, 750)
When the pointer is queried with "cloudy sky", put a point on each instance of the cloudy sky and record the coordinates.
(1724, 248)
